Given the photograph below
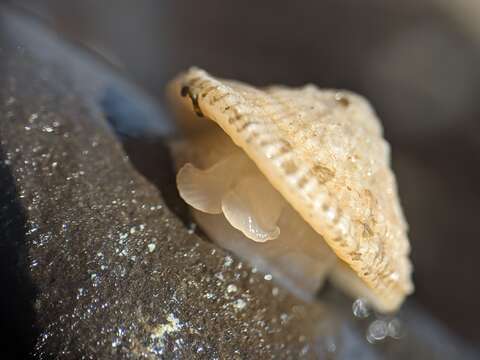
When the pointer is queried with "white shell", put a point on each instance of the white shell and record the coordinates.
(323, 151)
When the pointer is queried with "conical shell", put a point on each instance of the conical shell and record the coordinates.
(323, 150)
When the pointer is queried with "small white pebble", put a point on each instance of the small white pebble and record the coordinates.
(268, 277)
(151, 247)
(231, 288)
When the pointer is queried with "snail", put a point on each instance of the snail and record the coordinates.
(295, 180)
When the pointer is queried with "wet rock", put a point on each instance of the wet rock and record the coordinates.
(94, 265)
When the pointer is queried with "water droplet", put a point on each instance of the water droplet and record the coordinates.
(377, 331)
(395, 329)
(360, 309)
(191, 228)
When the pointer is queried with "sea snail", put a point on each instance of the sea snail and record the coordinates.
(297, 181)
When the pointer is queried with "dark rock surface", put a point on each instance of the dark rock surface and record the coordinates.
(113, 271)
(94, 265)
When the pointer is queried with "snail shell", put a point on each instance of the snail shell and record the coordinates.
(301, 178)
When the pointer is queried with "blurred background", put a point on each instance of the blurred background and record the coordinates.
(417, 61)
